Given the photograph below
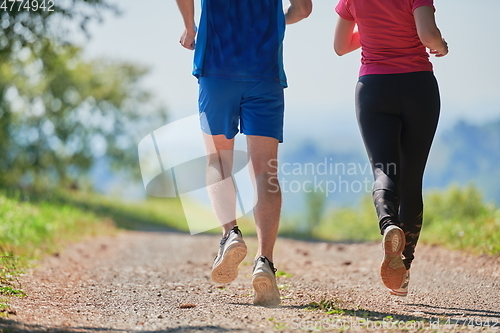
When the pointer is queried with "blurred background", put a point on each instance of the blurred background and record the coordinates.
(80, 86)
(320, 120)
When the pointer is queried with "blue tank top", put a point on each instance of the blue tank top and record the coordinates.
(241, 40)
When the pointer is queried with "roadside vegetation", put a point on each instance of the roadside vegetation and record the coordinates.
(457, 218)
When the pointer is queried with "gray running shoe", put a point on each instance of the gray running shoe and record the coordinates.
(393, 269)
(232, 251)
(264, 283)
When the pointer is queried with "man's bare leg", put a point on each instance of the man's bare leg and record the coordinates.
(223, 194)
(263, 153)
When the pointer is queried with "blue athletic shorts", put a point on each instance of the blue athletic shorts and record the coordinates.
(253, 107)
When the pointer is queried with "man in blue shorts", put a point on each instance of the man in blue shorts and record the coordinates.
(239, 66)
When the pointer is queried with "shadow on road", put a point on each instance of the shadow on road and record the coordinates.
(11, 326)
(469, 313)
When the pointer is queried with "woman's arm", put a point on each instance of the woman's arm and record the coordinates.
(186, 7)
(346, 37)
(428, 31)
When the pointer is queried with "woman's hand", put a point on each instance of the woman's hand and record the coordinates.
(441, 52)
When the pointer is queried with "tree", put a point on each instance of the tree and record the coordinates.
(22, 26)
(58, 112)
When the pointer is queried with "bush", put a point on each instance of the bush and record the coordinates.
(457, 218)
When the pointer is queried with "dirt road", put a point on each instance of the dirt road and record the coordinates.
(141, 280)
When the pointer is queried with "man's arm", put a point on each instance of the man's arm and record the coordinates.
(186, 8)
(346, 37)
(298, 10)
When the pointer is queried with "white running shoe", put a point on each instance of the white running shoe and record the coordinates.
(403, 290)
(232, 251)
(393, 270)
(264, 283)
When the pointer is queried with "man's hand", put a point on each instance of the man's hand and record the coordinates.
(297, 10)
(186, 8)
(187, 39)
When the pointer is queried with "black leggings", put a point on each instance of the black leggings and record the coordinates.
(398, 115)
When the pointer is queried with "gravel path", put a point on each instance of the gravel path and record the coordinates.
(148, 281)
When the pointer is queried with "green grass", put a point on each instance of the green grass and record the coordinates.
(459, 219)
(283, 274)
(349, 224)
(137, 215)
(456, 218)
(34, 224)
(333, 306)
(4, 307)
(8, 290)
(345, 317)
(31, 229)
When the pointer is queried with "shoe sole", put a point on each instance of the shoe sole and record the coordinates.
(265, 292)
(393, 270)
(227, 270)
(398, 293)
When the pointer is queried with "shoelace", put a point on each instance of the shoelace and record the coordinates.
(236, 230)
(264, 259)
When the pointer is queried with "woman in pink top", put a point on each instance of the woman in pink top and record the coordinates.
(397, 106)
